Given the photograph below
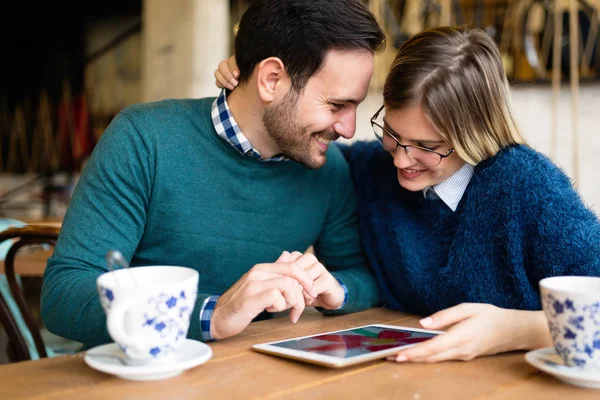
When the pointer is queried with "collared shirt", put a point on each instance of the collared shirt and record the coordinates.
(228, 129)
(452, 189)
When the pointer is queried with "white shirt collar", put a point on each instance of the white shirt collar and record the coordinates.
(452, 189)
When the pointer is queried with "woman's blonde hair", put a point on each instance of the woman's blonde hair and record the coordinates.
(457, 77)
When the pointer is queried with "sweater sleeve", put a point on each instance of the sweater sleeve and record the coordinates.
(339, 245)
(565, 237)
(107, 211)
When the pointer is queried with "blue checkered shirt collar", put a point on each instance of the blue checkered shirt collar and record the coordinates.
(229, 130)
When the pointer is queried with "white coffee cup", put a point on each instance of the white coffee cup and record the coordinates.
(148, 310)
(572, 307)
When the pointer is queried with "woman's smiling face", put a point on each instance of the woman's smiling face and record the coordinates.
(410, 126)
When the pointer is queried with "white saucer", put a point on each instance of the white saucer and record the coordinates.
(548, 361)
(107, 358)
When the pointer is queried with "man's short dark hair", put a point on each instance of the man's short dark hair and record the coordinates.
(301, 32)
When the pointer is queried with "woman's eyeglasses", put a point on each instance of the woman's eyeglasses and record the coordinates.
(424, 156)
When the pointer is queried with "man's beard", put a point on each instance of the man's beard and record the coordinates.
(282, 124)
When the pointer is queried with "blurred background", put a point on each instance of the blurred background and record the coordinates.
(68, 70)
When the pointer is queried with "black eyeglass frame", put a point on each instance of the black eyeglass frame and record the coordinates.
(398, 144)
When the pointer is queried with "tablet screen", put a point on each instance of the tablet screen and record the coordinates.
(356, 342)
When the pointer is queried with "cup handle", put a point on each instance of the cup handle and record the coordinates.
(116, 323)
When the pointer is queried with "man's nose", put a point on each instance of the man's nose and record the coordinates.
(345, 126)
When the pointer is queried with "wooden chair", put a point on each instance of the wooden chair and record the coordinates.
(17, 348)
(21, 237)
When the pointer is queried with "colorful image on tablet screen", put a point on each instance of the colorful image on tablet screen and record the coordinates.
(356, 342)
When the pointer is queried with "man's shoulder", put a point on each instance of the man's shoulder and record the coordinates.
(167, 110)
(161, 120)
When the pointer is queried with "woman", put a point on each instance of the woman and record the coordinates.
(478, 217)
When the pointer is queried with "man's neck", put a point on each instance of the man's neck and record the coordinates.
(247, 109)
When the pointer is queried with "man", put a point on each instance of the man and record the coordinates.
(225, 186)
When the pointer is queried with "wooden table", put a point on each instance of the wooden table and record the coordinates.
(235, 371)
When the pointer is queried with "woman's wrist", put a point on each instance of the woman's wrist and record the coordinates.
(534, 332)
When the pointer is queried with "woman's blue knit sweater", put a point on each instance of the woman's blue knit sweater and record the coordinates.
(520, 220)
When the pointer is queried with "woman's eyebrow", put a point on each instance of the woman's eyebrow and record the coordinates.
(388, 127)
(429, 141)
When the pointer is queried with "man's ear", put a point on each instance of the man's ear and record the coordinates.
(272, 80)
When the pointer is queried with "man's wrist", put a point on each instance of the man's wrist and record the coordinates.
(207, 330)
(344, 300)
(345, 289)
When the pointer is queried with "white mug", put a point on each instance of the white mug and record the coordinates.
(572, 307)
(148, 310)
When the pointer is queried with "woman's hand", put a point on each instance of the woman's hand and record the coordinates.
(478, 330)
(227, 73)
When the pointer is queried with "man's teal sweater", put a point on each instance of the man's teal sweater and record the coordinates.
(163, 188)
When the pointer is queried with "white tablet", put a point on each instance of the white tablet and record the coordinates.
(349, 346)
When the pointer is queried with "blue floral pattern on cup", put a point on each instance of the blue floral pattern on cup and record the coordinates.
(106, 297)
(575, 329)
(170, 318)
(167, 316)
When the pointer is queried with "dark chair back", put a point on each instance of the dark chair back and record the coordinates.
(25, 236)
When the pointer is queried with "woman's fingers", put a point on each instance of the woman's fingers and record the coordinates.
(450, 316)
(232, 63)
(437, 345)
